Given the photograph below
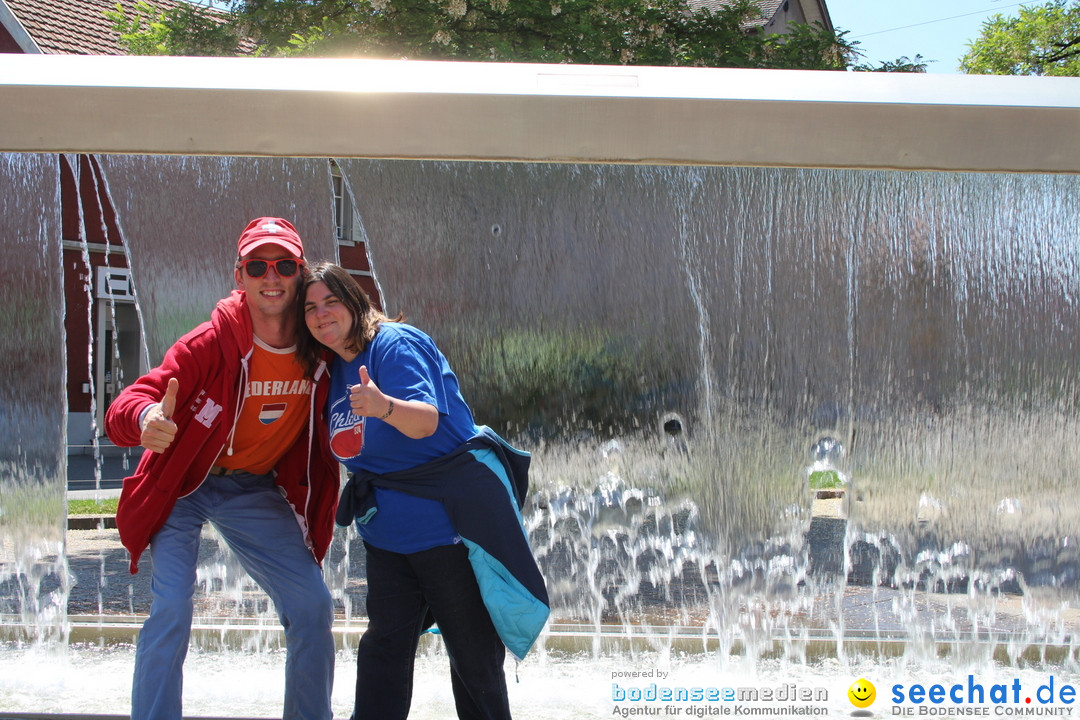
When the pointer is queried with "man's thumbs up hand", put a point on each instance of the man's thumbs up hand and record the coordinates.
(158, 428)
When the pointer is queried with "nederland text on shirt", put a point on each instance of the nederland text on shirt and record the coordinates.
(278, 387)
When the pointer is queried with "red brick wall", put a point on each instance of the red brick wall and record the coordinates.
(87, 195)
(354, 257)
(7, 43)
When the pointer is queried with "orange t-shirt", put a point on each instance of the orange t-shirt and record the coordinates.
(275, 410)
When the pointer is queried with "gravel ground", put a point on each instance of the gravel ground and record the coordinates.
(102, 583)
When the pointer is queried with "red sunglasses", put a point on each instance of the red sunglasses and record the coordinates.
(285, 267)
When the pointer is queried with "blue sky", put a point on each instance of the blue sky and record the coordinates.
(936, 29)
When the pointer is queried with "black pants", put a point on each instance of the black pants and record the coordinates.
(402, 590)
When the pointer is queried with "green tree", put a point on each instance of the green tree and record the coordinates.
(603, 32)
(901, 64)
(1041, 40)
(180, 30)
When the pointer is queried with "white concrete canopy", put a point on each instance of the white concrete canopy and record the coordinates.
(541, 113)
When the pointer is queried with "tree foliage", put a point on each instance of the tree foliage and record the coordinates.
(599, 32)
(181, 30)
(602, 32)
(1041, 40)
(901, 64)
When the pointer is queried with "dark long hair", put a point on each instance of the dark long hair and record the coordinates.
(366, 318)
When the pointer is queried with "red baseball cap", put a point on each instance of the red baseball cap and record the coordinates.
(269, 231)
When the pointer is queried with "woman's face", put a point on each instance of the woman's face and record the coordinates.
(328, 320)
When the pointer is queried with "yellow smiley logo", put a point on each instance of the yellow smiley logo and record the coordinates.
(862, 693)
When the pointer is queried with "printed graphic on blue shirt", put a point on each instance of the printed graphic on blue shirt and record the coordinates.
(346, 430)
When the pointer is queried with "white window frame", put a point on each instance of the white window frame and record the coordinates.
(344, 224)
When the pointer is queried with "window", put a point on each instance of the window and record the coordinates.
(118, 355)
(343, 209)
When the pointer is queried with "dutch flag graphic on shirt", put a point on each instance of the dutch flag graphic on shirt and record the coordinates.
(271, 412)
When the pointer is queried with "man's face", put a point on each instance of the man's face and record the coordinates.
(271, 294)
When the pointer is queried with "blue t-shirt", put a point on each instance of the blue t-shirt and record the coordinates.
(404, 364)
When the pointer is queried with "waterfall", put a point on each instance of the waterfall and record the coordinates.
(34, 581)
(682, 349)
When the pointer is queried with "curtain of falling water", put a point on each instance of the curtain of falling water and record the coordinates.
(180, 218)
(33, 571)
(576, 303)
(966, 384)
(924, 320)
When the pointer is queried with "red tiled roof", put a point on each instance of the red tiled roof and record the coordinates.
(74, 27)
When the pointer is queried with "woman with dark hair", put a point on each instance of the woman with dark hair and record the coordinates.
(436, 500)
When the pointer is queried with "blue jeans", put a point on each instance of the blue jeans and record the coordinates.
(259, 526)
(402, 590)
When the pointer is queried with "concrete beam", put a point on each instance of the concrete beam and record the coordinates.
(539, 113)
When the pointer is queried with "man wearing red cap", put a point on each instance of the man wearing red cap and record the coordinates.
(234, 436)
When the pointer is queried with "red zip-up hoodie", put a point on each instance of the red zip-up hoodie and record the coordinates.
(211, 365)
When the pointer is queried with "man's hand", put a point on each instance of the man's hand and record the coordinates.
(158, 428)
(365, 399)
